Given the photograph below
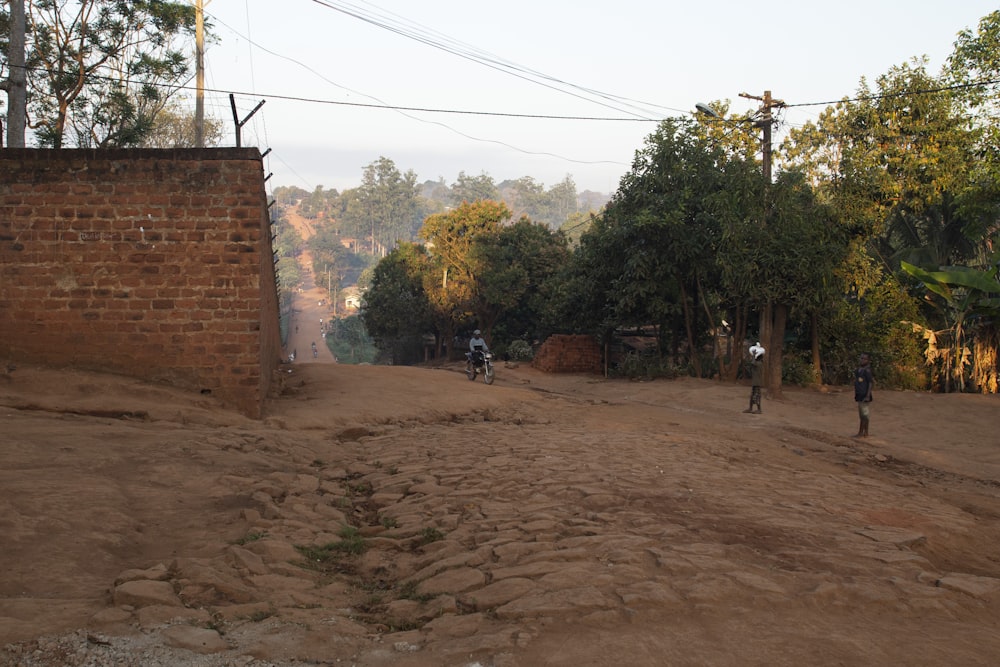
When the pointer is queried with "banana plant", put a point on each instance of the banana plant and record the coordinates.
(964, 294)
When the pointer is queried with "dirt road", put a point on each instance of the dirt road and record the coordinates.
(311, 307)
(405, 516)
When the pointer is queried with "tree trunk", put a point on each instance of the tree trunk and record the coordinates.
(764, 337)
(689, 326)
(717, 350)
(779, 314)
(737, 334)
(817, 368)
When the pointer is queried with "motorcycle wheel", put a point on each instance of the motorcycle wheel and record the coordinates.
(488, 375)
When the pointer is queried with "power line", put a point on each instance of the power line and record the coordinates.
(412, 30)
(383, 105)
(393, 107)
(462, 50)
(905, 93)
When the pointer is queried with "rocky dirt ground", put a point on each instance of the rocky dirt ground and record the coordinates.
(405, 516)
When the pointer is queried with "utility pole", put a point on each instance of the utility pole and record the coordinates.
(16, 83)
(772, 316)
(199, 50)
(765, 122)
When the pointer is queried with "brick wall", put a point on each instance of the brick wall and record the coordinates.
(155, 264)
(568, 354)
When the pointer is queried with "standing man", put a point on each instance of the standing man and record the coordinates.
(864, 381)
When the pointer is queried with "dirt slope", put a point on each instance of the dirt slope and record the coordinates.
(544, 520)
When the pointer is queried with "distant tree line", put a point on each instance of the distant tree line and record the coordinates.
(390, 206)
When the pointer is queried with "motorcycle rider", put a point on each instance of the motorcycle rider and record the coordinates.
(477, 347)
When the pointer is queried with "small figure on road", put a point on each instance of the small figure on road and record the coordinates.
(864, 382)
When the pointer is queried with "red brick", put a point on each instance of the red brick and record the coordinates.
(143, 302)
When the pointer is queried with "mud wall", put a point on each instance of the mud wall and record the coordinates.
(155, 264)
(568, 354)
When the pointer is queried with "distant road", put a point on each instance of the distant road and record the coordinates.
(304, 324)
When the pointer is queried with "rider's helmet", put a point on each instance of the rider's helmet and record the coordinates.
(477, 332)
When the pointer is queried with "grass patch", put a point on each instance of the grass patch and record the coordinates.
(360, 488)
(428, 535)
(408, 591)
(252, 536)
(329, 555)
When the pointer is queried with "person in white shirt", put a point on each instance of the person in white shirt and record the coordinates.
(477, 342)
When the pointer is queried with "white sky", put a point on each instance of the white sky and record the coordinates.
(666, 54)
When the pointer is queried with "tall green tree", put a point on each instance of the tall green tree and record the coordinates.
(908, 169)
(562, 202)
(396, 310)
(787, 262)
(974, 68)
(100, 71)
(451, 282)
(527, 198)
(473, 188)
(514, 266)
(665, 223)
(385, 209)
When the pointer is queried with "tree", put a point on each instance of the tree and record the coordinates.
(450, 282)
(575, 226)
(562, 201)
(910, 168)
(528, 199)
(787, 262)
(102, 70)
(396, 311)
(174, 127)
(514, 266)
(349, 341)
(664, 224)
(473, 188)
(385, 208)
(290, 195)
(974, 68)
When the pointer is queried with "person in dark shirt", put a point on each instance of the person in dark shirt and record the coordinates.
(864, 381)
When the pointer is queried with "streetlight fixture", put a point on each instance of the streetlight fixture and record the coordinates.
(707, 110)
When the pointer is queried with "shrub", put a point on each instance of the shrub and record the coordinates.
(520, 350)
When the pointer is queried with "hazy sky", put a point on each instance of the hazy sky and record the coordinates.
(605, 69)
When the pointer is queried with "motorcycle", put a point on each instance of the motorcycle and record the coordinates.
(479, 362)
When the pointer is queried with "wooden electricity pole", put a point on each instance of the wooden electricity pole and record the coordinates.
(199, 50)
(765, 123)
(772, 316)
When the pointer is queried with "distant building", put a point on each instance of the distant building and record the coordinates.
(352, 298)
